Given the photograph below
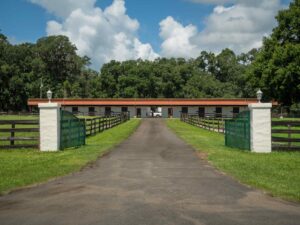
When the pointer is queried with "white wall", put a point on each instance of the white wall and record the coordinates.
(49, 126)
(193, 109)
(116, 109)
(164, 111)
(100, 110)
(260, 114)
(83, 109)
(146, 110)
(210, 109)
(165, 114)
(67, 108)
(132, 111)
(176, 111)
(243, 108)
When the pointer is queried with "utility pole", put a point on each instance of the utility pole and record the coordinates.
(41, 88)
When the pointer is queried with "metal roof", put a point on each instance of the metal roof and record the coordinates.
(148, 102)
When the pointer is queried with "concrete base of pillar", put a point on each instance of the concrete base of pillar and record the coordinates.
(260, 115)
(49, 126)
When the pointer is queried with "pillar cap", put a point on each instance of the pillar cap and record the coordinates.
(260, 105)
(49, 105)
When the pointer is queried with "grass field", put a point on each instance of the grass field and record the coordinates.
(24, 167)
(277, 173)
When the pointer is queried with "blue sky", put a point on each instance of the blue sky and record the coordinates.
(150, 13)
(23, 21)
(148, 29)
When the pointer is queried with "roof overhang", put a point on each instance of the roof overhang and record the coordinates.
(148, 102)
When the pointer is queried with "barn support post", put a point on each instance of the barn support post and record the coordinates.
(49, 126)
(260, 127)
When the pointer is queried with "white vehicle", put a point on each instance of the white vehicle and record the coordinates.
(157, 114)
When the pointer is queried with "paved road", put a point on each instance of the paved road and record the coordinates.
(153, 178)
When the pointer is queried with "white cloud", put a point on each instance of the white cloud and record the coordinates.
(240, 27)
(63, 8)
(213, 2)
(109, 34)
(244, 2)
(177, 39)
(221, 9)
(103, 35)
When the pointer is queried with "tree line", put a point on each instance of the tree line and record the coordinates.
(28, 70)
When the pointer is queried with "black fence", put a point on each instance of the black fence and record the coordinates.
(19, 134)
(101, 123)
(286, 135)
(19, 113)
(211, 122)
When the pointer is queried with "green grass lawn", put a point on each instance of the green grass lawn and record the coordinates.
(24, 167)
(277, 173)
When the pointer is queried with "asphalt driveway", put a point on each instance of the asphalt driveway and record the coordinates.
(153, 178)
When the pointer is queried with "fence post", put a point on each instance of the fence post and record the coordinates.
(12, 134)
(225, 128)
(260, 127)
(289, 135)
(99, 124)
(49, 126)
(94, 126)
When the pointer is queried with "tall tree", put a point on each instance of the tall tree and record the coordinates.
(276, 68)
(61, 61)
(5, 72)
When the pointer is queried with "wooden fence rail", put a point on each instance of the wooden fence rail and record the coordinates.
(99, 124)
(286, 135)
(216, 124)
(19, 134)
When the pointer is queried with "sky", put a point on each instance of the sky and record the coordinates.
(130, 29)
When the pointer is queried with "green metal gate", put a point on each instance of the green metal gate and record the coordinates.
(72, 130)
(237, 131)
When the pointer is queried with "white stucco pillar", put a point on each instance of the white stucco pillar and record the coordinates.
(260, 117)
(49, 126)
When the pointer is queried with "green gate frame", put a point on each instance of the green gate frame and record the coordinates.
(237, 131)
(72, 130)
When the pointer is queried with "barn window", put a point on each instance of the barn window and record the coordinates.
(218, 111)
(107, 110)
(74, 109)
(91, 109)
(201, 111)
(184, 110)
(236, 110)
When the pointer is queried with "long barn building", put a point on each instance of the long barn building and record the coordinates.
(151, 107)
